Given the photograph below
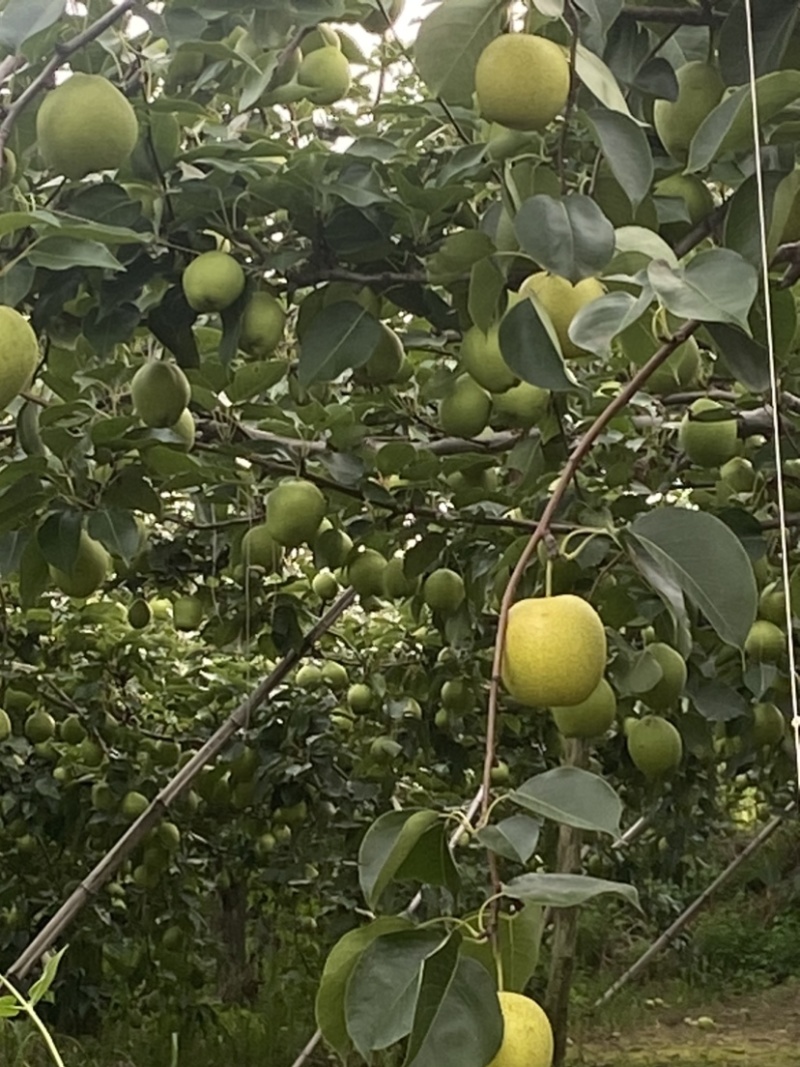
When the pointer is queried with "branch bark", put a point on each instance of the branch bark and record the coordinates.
(111, 862)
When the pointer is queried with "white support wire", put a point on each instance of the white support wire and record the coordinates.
(773, 377)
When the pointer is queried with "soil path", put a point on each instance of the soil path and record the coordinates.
(752, 1030)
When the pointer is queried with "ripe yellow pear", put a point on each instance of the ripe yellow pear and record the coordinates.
(366, 572)
(555, 651)
(654, 745)
(522, 81)
(520, 407)
(85, 125)
(326, 73)
(89, 570)
(562, 301)
(481, 358)
(19, 354)
(260, 549)
(160, 393)
(263, 323)
(769, 725)
(464, 412)
(708, 443)
(670, 685)
(527, 1034)
(700, 89)
(212, 281)
(295, 509)
(592, 717)
(385, 362)
(443, 591)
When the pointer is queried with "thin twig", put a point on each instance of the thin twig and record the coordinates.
(683, 16)
(62, 52)
(571, 18)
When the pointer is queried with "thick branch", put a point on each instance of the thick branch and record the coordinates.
(62, 52)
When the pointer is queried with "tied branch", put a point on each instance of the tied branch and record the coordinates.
(62, 51)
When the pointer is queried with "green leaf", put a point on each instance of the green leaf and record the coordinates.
(58, 537)
(486, 285)
(341, 337)
(718, 702)
(706, 561)
(21, 19)
(519, 937)
(9, 1008)
(746, 358)
(252, 379)
(772, 29)
(716, 286)
(742, 231)
(171, 321)
(467, 1030)
(64, 253)
(430, 861)
(42, 984)
(599, 80)
(572, 796)
(387, 845)
(530, 347)
(599, 322)
(456, 256)
(117, 530)
(381, 996)
(514, 838)
(34, 577)
(566, 890)
(569, 235)
(330, 1002)
(449, 42)
(438, 970)
(625, 146)
(729, 127)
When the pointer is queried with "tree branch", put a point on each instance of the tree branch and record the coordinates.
(62, 52)
(683, 16)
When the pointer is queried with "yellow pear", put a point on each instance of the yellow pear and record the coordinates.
(295, 509)
(700, 89)
(562, 301)
(592, 717)
(89, 569)
(326, 74)
(19, 354)
(708, 443)
(263, 322)
(212, 281)
(160, 393)
(464, 412)
(555, 651)
(85, 125)
(654, 745)
(481, 358)
(527, 1034)
(522, 81)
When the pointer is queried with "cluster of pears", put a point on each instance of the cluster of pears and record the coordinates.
(654, 743)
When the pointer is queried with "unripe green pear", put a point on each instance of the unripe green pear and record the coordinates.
(481, 358)
(359, 698)
(5, 725)
(670, 685)
(520, 407)
(260, 549)
(40, 726)
(331, 546)
(765, 642)
(396, 585)
(89, 569)
(334, 675)
(325, 585)
(322, 36)
(326, 74)
(295, 509)
(309, 676)
(263, 322)
(185, 429)
(443, 591)
(592, 717)
(700, 89)
(464, 412)
(769, 725)
(160, 393)
(772, 603)
(385, 362)
(738, 474)
(187, 613)
(708, 443)
(694, 193)
(366, 571)
(19, 354)
(680, 370)
(85, 125)
(654, 745)
(212, 281)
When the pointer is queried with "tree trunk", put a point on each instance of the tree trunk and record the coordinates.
(236, 980)
(565, 922)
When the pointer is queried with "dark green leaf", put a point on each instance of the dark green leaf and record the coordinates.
(341, 337)
(772, 29)
(746, 358)
(449, 42)
(514, 838)
(467, 1030)
(386, 845)
(21, 19)
(438, 970)
(627, 150)
(519, 937)
(34, 577)
(531, 349)
(569, 236)
(485, 288)
(430, 861)
(566, 890)
(64, 253)
(118, 531)
(457, 254)
(105, 331)
(58, 538)
(330, 1002)
(706, 560)
(172, 323)
(718, 702)
(572, 796)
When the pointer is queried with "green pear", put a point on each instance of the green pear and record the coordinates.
(480, 357)
(700, 89)
(325, 73)
(213, 281)
(708, 443)
(19, 354)
(366, 572)
(654, 745)
(263, 323)
(464, 412)
(260, 549)
(443, 591)
(89, 569)
(160, 393)
(295, 509)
